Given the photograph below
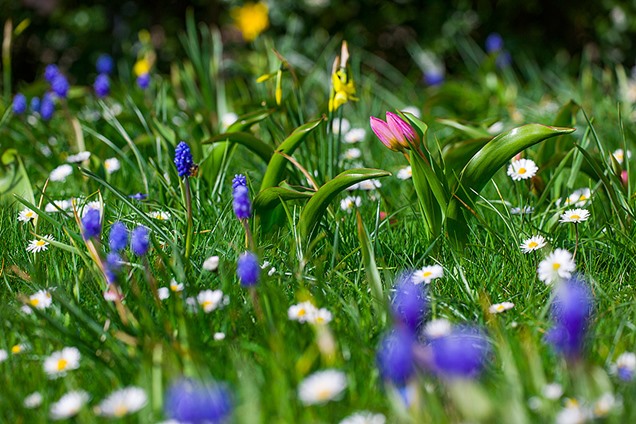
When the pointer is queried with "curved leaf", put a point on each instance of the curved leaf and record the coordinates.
(245, 121)
(276, 167)
(319, 202)
(269, 198)
(246, 139)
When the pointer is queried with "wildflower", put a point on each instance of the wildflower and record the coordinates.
(352, 154)
(427, 274)
(241, 203)
(364, 417)
(355, 135)
(604, 405)
(112, 165)
(247, 269)
(62, 361)
(69, 405)
(80, 157)
(101, 85)
(118, 237)
(366, 185)
(140, 241)
(342, 88)
(163, 293)
(322, 387)
(160, 215)
(189, 401)
(39, 245)
(239, 180)
(209, 300)
(104, 64)
(571, 311)
(143, 81)
(462, 353)
(575, 216)
(123, 402)
(19, 348)
(340, 126)
(557, 266)
(395, 357)
(219, 336)
(58, 205)
(138, 196)
(251, 19)
(500, 307)
(532, 244)
(395, 133)
(437, 328)
(526, 210)
(434, 76)
(552, 391)
(409, 302)
(112, 266)
(618, 154)
(183, 159)
(579, 197)
(61, 172)
(350, 202)
(19, 104)
(405, 173)
(494, 43)
(571, 414)
(211, 263)
(626, 366)
(176, 287)
(26, 215)
(50, 72)
(40, 299)
(142, 66)
(301, 312)
(33, 400)
(522, 169)
(3, 355)
(47, 107)
(92, 224)
(60, 85)
(321, 316)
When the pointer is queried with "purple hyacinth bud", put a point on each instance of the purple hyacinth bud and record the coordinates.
(242, 204)
(92, 224)
(571, 312)
(19, 104)
(112, 266)
(462, 353)
(140, 241)
(60, 85)
(104, 64)
(138, 196)
(118, 237)
(35, 105)
(494, 43)
(183, 159)
(409, 302)
(47, 107)
(188, 401)
(248, 269)
(433, 77)
(395, 357)
(102, 85)
(50, 72)
(503, 59)
(143, 81)
(239, 180)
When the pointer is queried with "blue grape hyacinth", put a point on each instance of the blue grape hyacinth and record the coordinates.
(92, 224)
(118, 237)
(409, 302)
(193, 402)
(102, 85)
(104, 64)
(183, 159)
(19, 104)
(46, 107)
(395, 357)
(248, 269)
(140, 241)
(461, 354)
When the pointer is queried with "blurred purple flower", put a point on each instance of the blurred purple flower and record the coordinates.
(193, 402)
(143, 81)
(138, 196)
(19, 104)
(571, 312)
(494, 43)
(101, 85)
(140, 241)
(60, 85)
(239, 180)
(433, 78)
(50, 72)
(112, 266)
(35, 105)
(92, 224)
(183, 159)
(248, 269)
(104, 64)
(409, 302)
(395, 357)
(118, 237)
(462, 353)
(47, 107)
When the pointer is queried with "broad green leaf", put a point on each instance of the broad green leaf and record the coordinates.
(246, 139)
(269, 198)
(433, 198)
(14, 179)
(319, 202)
(277, 164)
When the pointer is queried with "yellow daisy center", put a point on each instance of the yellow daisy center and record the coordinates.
(320, 320)
(206, 304)
(556, 266)
(533, 244)
(121, 410)
(62, 364)
(522, 171)
(34, 302)
(29, 214)
(427, 274)
(302, 312)
(500, 308)
(575, 216)
(16, 349)
(323, 394)
(40, 243)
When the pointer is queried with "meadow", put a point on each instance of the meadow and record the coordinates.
(278, 233)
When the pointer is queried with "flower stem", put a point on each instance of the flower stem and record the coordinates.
(576, 242)
(189, 229)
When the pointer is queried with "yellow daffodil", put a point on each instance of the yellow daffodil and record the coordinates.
(251, 19)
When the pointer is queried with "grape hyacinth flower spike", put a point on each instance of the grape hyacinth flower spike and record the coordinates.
(185, 166)
(91, 224)
(194, 402)
(140, 241)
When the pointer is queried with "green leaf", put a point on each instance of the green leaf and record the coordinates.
(371, 269)
(277, 164)
(269, 198)
(245, 121)
(317, 205)
(472, 132)
(14, 179)
(246, 139)
(432, 195)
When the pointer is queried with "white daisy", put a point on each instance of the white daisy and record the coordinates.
(322, 386)
(62, 361)
(355, 135)
(33, 400)
(211, 263)
(38, 245)
(340, 125)
(526, 210)
(619, 155)
(532, 244)
(552, 391)
(350, 202)
(40, 299)
(301, 312)
(3, 355)
(427, 274)
(405, 173)
(69, 405)
(123, 402)
(80, 157)
(219, 336)
(64, 205)
(500, 307)
(604, 405)
(163, 293)
(352, 154)
(522, 169)
(26, 215)
(321, 317)
(176, 287)
(210, 300)
(61, 172)
(364, 417)
(571, 414)
(558, 265)
(579, 197)
(112, 165)
(160, 215)
(575, 215)
(437, 328)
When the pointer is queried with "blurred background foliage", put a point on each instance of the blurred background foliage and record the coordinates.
(72, 33)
